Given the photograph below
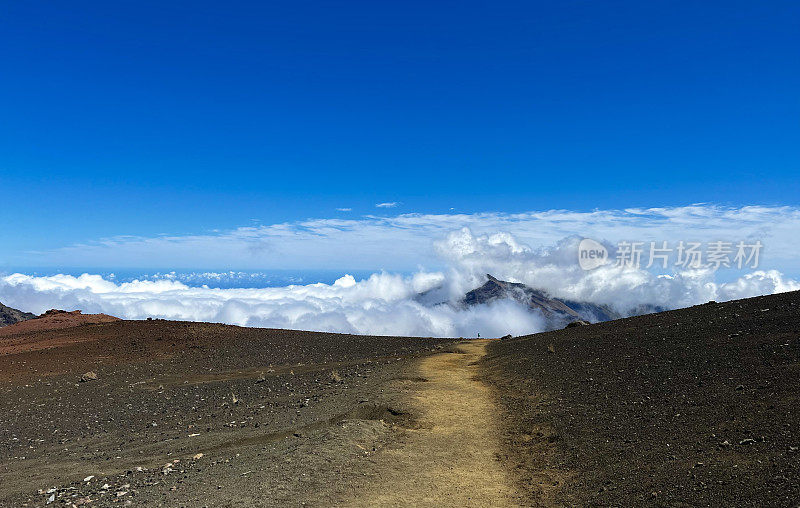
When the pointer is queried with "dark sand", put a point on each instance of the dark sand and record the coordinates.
(694, 407)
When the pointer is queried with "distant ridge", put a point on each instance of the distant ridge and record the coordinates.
(10, 316)
(55, 319)
(557, 312)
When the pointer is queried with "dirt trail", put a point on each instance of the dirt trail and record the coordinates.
(449, 458)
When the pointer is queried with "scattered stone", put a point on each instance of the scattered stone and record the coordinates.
(792, 449)
(551, 348)
(197, 456)
(261, 378)
(335, 377)
(739, 388)
(725, 444)
(747, 441)
(89, 376)
(88, 478)
(506, 337)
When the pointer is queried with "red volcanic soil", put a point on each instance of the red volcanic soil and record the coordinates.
(79, 348)
(242, 416)
(24, 336)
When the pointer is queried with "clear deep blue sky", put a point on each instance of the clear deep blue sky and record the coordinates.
(142, 118)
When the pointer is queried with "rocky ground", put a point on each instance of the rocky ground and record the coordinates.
(694, 407)
(192, 414)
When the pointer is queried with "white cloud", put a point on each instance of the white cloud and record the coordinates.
(406, 241)
(391, 204)
(382, 304)
(344, 209)
(555, 269)
(390, 304)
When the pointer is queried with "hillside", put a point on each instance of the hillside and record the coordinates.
(684, 408)
(697, 407)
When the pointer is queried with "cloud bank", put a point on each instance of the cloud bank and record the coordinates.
(422, 304)
(383, 304)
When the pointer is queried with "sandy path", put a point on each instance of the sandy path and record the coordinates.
(450, 457)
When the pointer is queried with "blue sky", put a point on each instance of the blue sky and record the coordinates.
(150, 118)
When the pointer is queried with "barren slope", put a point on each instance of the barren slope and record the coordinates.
(691, 407)
(280, 417)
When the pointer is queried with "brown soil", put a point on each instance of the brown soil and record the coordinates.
(280, 417)
(54, 320)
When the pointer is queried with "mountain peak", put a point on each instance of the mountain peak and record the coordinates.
(555, 310)
(9, 316)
